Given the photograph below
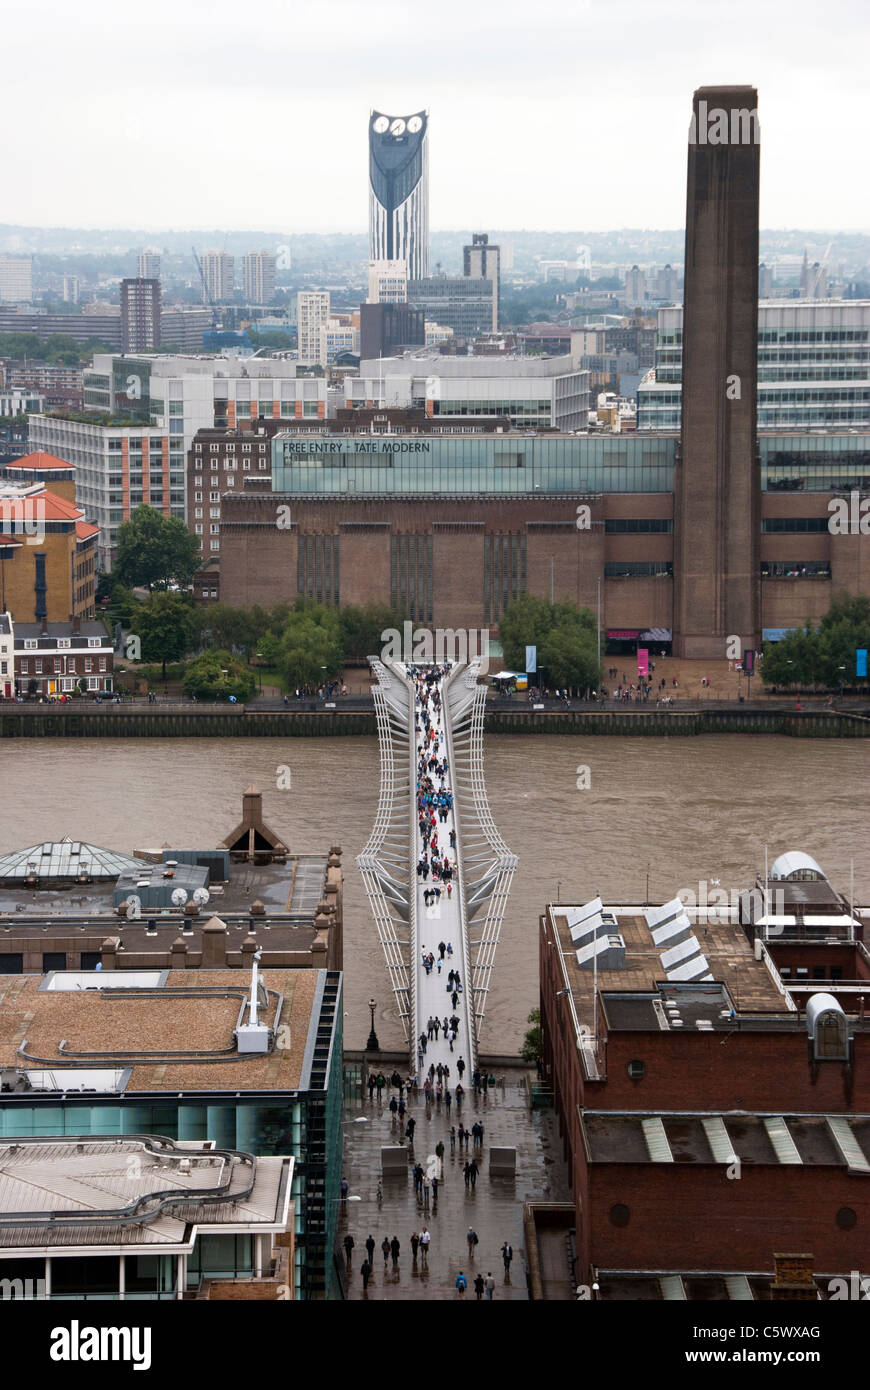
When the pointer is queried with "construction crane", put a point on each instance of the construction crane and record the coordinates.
(205, 289)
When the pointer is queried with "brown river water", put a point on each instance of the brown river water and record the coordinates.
(683, 810)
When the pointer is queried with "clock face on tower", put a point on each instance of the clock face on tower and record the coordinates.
(381, 124)
(415, 124)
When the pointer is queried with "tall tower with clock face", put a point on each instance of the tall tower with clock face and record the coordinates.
(399, 190)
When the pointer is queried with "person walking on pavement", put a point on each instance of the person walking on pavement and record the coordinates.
(466, 1173)
(478, 1287)
(385, 1247)
(415, 1246)
(461, 1284)
(472, 1241)
(370, 1252)
(489, 1285)
(507, 1255)
(460, 1065)
(473, 1171)
(395, 1247)
(365, 1270)
(411, 1126)
(424, 1245)
(348, 1248)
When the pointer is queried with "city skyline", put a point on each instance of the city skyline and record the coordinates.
(517, 111)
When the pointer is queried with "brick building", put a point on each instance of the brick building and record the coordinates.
(709, 1118)
(47, 551)
(54, 659)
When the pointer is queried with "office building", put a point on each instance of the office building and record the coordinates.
(399, 190)
(543, 393)
(340, 334)
(148, 265)
(259, 277)
(388, 282)
(105, 327)
(71, 289)
(480, 261)
(16, 279)
(188, 1055)
(19, 402)
(813, 367)
(716, 542)
(140, 315)
(765, 281)
(457, 301)
(312, 313)
(47, 549)
(209, 1222)
(389, 328)
(218, 271)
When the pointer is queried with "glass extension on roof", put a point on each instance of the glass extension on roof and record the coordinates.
(485, 464)
(64, 859)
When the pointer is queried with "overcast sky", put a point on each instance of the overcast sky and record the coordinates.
(544, 113)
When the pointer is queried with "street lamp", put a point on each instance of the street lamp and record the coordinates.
(842, 679)
(373, 1045)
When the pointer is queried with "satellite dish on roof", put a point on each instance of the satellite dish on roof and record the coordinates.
(200, 896)
(179, 896)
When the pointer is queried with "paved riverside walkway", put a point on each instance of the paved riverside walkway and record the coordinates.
(494, 1207)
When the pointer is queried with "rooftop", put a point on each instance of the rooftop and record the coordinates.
(134, 1192)
(702, 1137)
(637, 988)
(179, 1036)
(40, 463)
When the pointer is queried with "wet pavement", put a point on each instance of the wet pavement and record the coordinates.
(493, 1207)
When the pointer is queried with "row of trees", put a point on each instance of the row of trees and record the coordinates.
(56, 348)
(565, 636)
(823, 655)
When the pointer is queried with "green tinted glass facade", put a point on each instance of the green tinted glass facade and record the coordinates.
(814, 462)
(494, 465)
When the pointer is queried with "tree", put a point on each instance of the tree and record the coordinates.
(155, 550)
(361, 628)
(532, 1049)
(311, 647)
(565, 637)
(167, 627)
(240, 628)
(822, 654)
(216, 675)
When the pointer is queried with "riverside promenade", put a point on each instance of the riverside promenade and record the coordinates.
(493, 1207)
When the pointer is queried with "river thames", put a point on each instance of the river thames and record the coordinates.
(678, 810)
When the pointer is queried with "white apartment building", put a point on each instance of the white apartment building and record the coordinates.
(436, 333)
(219, 270)
(259, 277)
(148, 265)
(545, 393)
(813, 367)
(388, 282)
(312, 314)
(337, 337)
(16, 279)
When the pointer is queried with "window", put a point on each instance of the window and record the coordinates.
(215, 545)
(214, 465)
(246, 448)
(214, 448)
(198, 513)
(37, 667)
(246, 463)
(63, 642)
(102, 663)
(198, 530)
(214, 512)
(93, 641)
(212, 497)
(29, 643)
(25, 666)
(215, 530)
(198, 465)
(89, 663)
(57, 664)
(231, 482)
(197, 497)
(231, 463)
(199, 448)
(263, 465)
